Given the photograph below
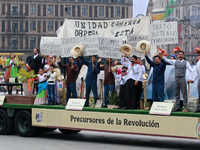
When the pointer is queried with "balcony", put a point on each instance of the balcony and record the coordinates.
(15, 31)
(15, 14)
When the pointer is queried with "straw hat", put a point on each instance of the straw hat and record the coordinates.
(143, 46)
(114, 68)
(61, 78)
(57, 70)
(76, 50)
(126, 49)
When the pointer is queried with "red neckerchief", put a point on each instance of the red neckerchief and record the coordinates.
(123, 74)
(134, 63)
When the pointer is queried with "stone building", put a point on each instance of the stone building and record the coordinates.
(24, 22)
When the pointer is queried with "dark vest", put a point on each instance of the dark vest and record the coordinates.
(180, 68)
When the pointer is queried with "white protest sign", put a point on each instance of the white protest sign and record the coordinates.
(133, 40)
(67, 44)
(50, 46)
(104, 28)
(109, 47)
(90, 44)
(75, 104)
(161, 108)
(163, 33)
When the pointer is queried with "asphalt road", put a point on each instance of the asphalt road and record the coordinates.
(86, 140)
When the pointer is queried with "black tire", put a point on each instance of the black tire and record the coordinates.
(6, 123)
(23, 124)
(66, 131)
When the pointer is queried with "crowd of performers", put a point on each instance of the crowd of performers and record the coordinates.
(131, 77)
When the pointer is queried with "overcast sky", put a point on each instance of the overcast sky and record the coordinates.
(140, 7)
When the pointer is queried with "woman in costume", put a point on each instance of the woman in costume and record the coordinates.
(11, 69)
(41, 98)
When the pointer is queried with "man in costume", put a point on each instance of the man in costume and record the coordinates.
(180, 82)
(72, 71)
(91, 79)
(158, 77)
(133, 76)
(123, 80)
(109, 81)
(36, 61)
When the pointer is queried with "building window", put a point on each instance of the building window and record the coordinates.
(50, 9)
(101, 10)
(3, 26)
(88, 0)
(67, 10)
(14, 25)
(15, 9)
(3, 42)
(117, 10)
(32, 42)
(14, 42)
(32, 9)
(97, 0)
(121, 1)
(104, 0)
(113, 1)
(50, 25)
(32, 25)
(81, 0)
(84, 10)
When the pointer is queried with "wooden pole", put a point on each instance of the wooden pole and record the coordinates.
(109, 64)
(188, 90)
(92, 63)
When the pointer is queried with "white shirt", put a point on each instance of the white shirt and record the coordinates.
(35, 56)
(134, 72)
(42, 77)
(143, 71)
(172, 62)
(123, 79)
(52, 77)
(198, 71)
(46, 67)
(12, 61)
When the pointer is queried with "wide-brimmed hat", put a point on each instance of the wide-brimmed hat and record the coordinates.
(143, 46)
(76, 50)
(126, 49)
(114, 68)
(61, 78)
(197, 49)
(177, 49)
(57, 70)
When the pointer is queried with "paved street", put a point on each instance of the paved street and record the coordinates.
(86, 140)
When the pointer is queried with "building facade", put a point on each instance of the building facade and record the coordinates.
(187, 15)
(24, 22)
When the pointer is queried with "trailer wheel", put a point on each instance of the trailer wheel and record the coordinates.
(23, 124)
(66, 131)
(6, 123)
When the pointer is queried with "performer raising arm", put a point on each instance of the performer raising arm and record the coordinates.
(133, 76)
(180, 82)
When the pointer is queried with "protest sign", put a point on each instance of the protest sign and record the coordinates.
(109, 47)
(67, 44)
(163, 33)
(104, 28)
(90, 44)
(133, 40)
(50, 46)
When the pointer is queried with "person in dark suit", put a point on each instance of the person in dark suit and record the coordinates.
(36, 61)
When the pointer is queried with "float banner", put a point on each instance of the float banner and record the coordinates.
(90, 45)
(185, 127)
(50, 46)
(163, 33)
(109, 47)
(104, 28)
(133, 40)
(67, 44)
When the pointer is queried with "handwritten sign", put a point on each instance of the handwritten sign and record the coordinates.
(161, 108)
(109, 47)
(2, 98)
(133, 40)
(90, 44)
(50, 46)
(75, 104)
(67, 44)
(11, 80)
(163, 33)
